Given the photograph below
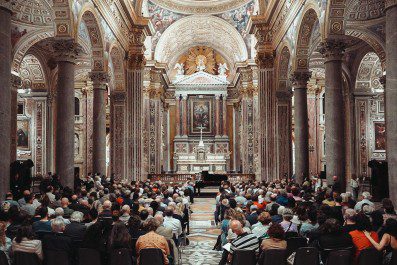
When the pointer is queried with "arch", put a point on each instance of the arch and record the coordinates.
(368, 74)
(371, 39)
(199, 30)
(91, 20)
(304, 37)
(116, 58)
(32, 73)
(25, 43)
(64, 19)
(283, 68)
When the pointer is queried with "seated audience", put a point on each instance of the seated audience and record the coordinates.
(360, 240)
(153, 240)
(25, 242)
(332, 237)
(76, 229)
(264, 221)
(276, 238)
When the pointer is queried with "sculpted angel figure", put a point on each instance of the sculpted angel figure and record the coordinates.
(180, 68)
(222, 68)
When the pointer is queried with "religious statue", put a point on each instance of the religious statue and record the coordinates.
(222, 68)
(180, 69)
(200, 62)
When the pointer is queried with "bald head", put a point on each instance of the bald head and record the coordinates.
(107, 205)
(236, 227)
(159, 218)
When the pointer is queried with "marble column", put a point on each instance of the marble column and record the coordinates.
(15, 84)
(299, 83)
(178, 114)
(265, 59)
(284, 132)
(117, 129)
(217, 115)
(391, 95)
(99, 80)
(5, 94)
(224, 115)
(184, 115)
(333, 51)
(134, 87)
(65, 53)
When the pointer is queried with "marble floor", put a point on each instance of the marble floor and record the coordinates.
(203, 234)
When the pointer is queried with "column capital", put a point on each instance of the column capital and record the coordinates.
(66, 50)
(390, 3)
(16, 81)
(265, 59)
(7, 5)
(332, 49)
(299, 79)
(99, 79)
(136, 50)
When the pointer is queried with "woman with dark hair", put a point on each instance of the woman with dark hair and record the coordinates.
(276, 238)
(388, 241)
(25, 242)
(119, 237)
(360, 240)
(332, 237)
(134, 224)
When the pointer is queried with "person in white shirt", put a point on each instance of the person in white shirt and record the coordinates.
(171, 222)
(366, 197)
(260, 229)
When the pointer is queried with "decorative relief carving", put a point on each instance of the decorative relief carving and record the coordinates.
(299, 79)
(100, 79)
(66, 50)
(332, 49)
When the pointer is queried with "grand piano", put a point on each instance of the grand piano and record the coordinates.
(208, 180)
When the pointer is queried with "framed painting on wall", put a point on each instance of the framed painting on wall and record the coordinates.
(23, 134)
(380, 135)
(201, 115)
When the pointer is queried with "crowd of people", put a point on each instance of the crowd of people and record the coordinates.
(260, 216)
(100, 214)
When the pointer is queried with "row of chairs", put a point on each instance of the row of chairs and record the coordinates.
(150, 256)
(309, 255)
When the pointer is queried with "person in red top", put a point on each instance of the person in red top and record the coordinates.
(360, 241)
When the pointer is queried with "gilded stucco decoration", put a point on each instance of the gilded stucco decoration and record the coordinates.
(200, 6)
(202, 30)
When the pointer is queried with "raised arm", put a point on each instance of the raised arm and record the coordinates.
(383, 243)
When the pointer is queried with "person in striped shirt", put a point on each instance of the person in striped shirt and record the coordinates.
(244, 241)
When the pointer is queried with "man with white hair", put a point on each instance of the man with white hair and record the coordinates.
(59, 214)
(125, 216)
(58, 240)
(76, 230)
(365, 199)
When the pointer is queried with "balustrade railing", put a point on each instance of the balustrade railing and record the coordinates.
(182, 178)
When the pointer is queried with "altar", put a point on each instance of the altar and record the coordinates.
(202, 160)
(201, 142)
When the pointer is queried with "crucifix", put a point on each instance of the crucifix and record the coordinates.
(201, 143)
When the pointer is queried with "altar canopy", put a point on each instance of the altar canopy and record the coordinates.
(201, 143)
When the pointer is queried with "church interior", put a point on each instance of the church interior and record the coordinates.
(151, 87)
(169, 89)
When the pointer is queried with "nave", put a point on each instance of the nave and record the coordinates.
(203, 235)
